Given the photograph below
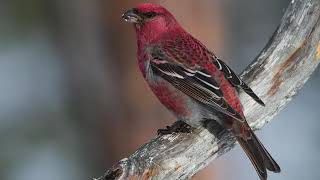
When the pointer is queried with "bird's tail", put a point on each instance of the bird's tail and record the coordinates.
(258, 155)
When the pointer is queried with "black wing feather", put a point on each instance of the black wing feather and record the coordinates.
(199, 85)
(235, 80)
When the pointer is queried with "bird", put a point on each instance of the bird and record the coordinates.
(192, 82)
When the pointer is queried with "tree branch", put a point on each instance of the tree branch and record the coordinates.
(276, 75)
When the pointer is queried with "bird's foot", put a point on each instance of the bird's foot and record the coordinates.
(214, 127)
(177, 127)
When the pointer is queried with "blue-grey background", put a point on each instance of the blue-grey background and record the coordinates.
(73, 102)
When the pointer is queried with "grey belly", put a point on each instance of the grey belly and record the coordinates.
(198, 112)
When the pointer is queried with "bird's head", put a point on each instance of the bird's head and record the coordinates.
(150, 19)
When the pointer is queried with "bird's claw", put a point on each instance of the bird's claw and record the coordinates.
(177, 127)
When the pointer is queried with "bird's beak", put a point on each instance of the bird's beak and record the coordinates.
(132, 16)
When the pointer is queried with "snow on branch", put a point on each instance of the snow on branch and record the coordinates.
(276, 75)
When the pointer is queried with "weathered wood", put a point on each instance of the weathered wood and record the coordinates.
(276, 75)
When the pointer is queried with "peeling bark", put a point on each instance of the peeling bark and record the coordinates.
(276, 75)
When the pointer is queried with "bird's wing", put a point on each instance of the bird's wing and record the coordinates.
(197, 84)
(235, 80)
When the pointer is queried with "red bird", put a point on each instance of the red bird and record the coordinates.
(188, 79)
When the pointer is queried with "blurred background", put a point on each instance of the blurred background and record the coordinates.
(73, 102)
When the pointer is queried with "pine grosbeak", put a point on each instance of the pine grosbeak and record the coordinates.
(190, 81)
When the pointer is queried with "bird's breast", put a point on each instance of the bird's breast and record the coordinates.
(173, 99)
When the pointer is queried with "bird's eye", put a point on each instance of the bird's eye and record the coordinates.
(150, 14)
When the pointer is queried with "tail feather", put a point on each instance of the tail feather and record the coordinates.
(254, 156)
(270, 163)
(258, 155)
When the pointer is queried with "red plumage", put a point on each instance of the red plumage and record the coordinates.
(191, 81)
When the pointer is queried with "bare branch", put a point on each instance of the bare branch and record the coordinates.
(276, 75)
